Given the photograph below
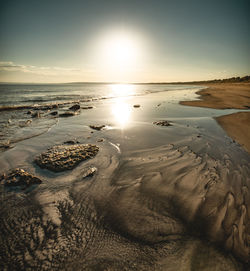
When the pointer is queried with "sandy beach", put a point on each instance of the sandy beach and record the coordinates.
(224, 96)
(124, 135)
(131, 183)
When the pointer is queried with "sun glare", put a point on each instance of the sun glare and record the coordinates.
(119, 90)
(121, 112)
(120, 51)
(119, 56)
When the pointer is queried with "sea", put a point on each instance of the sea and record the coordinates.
(39, 94)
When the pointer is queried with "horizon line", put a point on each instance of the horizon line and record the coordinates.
(132, 83)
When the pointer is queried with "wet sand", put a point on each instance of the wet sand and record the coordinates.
(172, 197)
(224, 96)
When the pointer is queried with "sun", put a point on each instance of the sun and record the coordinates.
(120, 51)
(118, 55)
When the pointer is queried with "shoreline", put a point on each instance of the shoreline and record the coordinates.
(160, 190)
(228, 96)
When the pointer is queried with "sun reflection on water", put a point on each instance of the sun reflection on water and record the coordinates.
(121, 90)
(121, 112)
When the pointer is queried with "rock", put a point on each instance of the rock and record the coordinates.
(36, 115)
(87, 107)
(75, 107)
(55, 106)
(65, 157)
(6, 145)
(28, 122)
(136, 106)
(48, 107)
(89, 172)
(19, 177)
(163, 123)
(45, 108)
(54, 113)
(29, 112)
(100, 140)
(67, 114)
(24, 123)
(70, 142)
(97, 127)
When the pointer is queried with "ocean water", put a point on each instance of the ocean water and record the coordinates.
(32, 94)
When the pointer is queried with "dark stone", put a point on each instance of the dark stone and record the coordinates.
(55, 106)
(70, 142)
(97, 127)
(67, 114)
(54, 113)
(65, 157)
(29, 112)
(75, 107)
(136, 106)
(163, 123)
(48, 107)
(87, 107)
(19, 177)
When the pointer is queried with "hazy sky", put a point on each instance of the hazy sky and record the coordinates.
(172, 40)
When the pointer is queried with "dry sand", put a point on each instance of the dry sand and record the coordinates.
(238, 127)
(225, 96)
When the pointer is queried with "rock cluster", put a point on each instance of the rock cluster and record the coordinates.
(65, 157)
(19, 177)
(163, 123)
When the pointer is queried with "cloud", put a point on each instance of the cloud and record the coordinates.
(9, 66)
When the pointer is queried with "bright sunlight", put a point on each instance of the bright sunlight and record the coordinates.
(120, 51)
(119, 55)
(121, 112)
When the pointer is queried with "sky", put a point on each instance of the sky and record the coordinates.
(123, 41)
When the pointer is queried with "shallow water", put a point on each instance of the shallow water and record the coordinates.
(163, 198)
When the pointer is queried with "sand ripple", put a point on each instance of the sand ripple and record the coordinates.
(156, 209)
